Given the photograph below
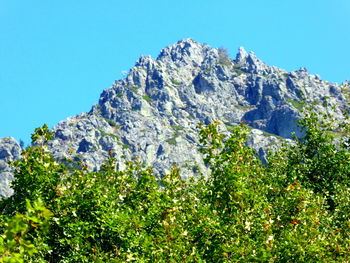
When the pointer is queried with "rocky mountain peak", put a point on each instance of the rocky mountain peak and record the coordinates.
(241, 56)
(251, 62)
(184, 52)
(152, 114)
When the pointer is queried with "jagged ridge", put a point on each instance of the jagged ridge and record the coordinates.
(153, 113)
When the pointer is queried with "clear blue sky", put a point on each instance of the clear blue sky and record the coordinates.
(56, 57)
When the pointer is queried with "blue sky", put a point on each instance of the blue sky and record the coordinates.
(56, 57)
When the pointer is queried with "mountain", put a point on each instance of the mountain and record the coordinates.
(152, 114)
(10, 150)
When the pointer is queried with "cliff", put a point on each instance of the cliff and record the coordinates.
(152, 114)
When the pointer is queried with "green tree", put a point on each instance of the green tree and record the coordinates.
(294, 209)
(16, 242)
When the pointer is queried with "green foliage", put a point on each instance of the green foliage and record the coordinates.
(16, 242)
(177, 127)
(207, 70)
(148, 99)
(299, 105)
(175, 82)
(316, 160)
(111, 122)
(294, 209)
(318, 166)
(125, 146)
(134, 89)
(103, 133)
(285, 75)
(171, 140)
(244, 107)
(236, 68)
(42, 135)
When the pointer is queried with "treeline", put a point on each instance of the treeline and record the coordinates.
(294, 209)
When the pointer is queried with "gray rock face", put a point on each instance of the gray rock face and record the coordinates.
(152, 114)
(9, 151)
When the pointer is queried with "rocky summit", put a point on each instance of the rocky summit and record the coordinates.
(152, 114)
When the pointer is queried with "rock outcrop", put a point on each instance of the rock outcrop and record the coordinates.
(152, 114)
(9, 151)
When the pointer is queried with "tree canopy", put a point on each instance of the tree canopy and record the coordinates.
(295, 208)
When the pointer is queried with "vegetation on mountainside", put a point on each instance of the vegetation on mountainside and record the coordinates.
(224, 57)
(294, 209)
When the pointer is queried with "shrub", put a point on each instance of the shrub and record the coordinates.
(237, 70)
(147, 98)
(224, 57)
(299, 105)
(175, 82)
